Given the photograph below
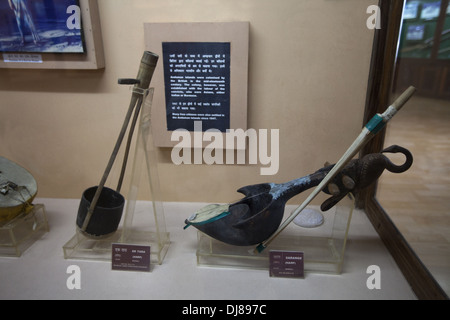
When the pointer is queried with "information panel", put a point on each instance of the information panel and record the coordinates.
(200, 80)
(197, 84)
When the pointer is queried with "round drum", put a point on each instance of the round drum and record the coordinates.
(107, 213)
(17, 190)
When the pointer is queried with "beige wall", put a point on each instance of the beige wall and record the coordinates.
(308, 71)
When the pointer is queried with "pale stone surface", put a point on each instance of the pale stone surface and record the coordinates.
(309, 218)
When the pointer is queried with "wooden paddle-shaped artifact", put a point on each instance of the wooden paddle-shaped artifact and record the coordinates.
(368, 132)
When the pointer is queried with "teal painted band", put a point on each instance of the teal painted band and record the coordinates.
(220, 216)
(375, 124)
(260, 248)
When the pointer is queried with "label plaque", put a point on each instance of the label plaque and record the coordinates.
(286, 264)
(22, 57)
(128, 257)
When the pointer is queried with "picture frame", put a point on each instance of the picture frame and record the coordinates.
(193, 35)
(52, 26)
(430, 10)
(91, 57)
(415, 32)
(411, 10)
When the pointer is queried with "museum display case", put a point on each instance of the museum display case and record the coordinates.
(323, 246)
(143, 222)
(18, 234)
(303, 72)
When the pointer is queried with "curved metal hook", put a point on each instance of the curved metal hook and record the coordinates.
(398, 168)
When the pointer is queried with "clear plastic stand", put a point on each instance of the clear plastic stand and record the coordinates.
(144, 221)
(23, 231)
(323, 246)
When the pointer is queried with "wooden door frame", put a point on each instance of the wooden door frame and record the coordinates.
(378, 97)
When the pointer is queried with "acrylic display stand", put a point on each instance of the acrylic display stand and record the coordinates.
(143, 222)
(23, 231)
(323, 246)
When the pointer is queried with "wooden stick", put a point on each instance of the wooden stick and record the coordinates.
(144, 76)
(368, 132)
(109, 165)
(127, 148)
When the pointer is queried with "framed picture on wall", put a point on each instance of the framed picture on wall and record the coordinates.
(50, 34)
(411, 10)
(415, 32)
(41, 26)
(430, 10)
